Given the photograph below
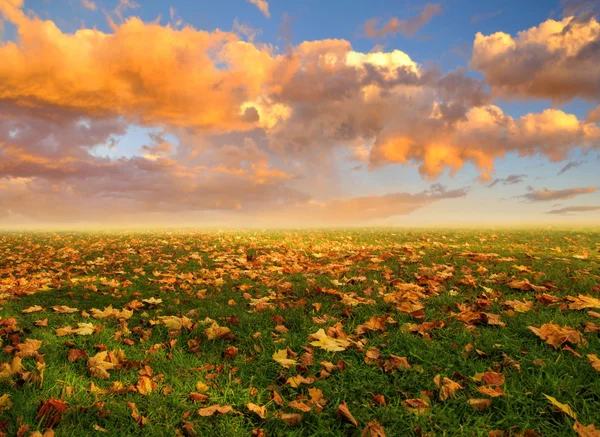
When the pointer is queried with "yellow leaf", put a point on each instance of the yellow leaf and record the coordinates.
(330, 344)
(201, 387)
(32, 309)
(565, 408)
(98, 366)
(281, 357)
(5, 402)
(28, 348)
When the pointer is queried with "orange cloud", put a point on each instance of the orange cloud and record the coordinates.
(407, 27)
(145, 72)
(484, 135)
(263, 6)
(557, 60)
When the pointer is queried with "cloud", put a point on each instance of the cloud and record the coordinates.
(484, 135)
(263, 6)
(569, 165)
(351, 210)
(481, 17)
(557, 60)
(509, 180)
(238, 127)
(89, 4)
(572, 209)
(546, 195)
(408, 27)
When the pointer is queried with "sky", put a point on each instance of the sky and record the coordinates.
(272, 113)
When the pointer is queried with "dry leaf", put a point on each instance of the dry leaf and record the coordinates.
(98, 366)
(565, 408)
(344, 413)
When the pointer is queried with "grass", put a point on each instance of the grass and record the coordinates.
(95, 270)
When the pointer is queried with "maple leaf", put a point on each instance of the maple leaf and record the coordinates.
(152, 301)
(556, 335)
(595, 361)
(565, 408)
(447, 387)
(373, 429)
(215, 331)
(5, 402)
(582, 302)
(144, 385)
(260, 411)
(201, 387)
(300, 406)
(295, 381)
(98, 366)
(519, 306)
(417, 406)
(281, 356)
(213, 409)
(28, 348)
(7, 370)
(344, 413)
(330, 344)
(76, 355)
(32, 309)
(50, 413)
(586, 431)
(176, 323)
(63, 309)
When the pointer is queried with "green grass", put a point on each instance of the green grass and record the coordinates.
(74, 267)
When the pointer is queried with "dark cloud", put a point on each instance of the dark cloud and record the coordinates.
(548, 195)
(509, 180)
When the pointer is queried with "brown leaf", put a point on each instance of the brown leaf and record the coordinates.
(213, 409)
(373, 429)
(290, 418)
(480, 404)
(28, 348)
(595, 361)
(260, 411)
(144, 385)
(98, 366)
(586, 431)
(51, 412)
(344, 413)
(379, 399)
(76, 355)
(300, 406)
(492, 392)
(556, 335)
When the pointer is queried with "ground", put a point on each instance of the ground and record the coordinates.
(308, 333)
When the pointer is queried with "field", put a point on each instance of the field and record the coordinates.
(308, 333)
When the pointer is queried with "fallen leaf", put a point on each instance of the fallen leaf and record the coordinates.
(281, 356)
(344, 413)
(480, 404)
(330, 344)
(260, 411)
(565, 408)
(373, 429)
(32, 309)
(98, 366)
